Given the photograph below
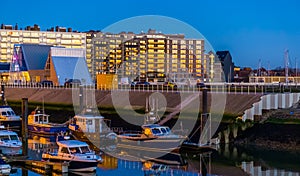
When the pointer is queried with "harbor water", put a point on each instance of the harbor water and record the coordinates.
(226, 160)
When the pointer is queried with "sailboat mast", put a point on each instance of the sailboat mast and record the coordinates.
(286, 63)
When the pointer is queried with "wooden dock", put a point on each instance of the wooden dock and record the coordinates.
(42, 167)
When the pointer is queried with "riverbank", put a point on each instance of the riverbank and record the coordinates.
(271, 136)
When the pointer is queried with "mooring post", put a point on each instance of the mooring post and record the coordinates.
(2, 94)
(204, 109)
(24, 126)
(80, 99)
(204, 100)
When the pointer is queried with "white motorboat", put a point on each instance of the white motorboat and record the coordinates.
(8, 118)
(77, 153)
(10, 143)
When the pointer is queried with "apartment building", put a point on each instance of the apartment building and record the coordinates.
(58, 36)
(134, 55)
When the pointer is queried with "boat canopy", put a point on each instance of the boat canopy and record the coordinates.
(7, 132)
(88, 116)
(71, 143)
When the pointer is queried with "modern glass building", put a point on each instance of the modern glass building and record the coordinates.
(133, 55)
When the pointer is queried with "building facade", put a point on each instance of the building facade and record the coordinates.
(9, 36)
(227, 65)
(136, 55)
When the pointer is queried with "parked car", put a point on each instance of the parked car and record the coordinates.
(45, 83)
(140, 84)
(72, 82)
(170, 84)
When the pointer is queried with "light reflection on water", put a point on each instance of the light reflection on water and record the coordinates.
(227, 160)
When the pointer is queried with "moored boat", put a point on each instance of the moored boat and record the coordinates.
(77, 153)
(10, 143)
(8, 118)
(92, 128)
(152, 138)
(38, 122)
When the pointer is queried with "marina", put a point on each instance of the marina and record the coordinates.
(95, 148)
(217, 162)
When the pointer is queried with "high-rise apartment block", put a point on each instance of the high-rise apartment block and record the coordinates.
(60, 36)
(136, 55)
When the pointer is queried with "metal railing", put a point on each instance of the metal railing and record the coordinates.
(236, 88)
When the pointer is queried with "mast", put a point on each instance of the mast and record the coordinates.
(286, 64)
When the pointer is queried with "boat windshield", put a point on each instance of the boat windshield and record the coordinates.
(14, 137)
(41, 118)
(155, 131)
(10, 113)
(85, 149)
(4, 138)
(74, 150)
(163, 130)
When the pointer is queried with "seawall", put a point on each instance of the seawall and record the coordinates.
(236, 103)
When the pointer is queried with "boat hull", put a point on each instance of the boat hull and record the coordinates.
(156, 144)
(76, 165)
(47, 130)
(11, 150)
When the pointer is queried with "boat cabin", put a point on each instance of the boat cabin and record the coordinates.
(91, 123)
(73, 147)
(6, 113)
(6, 135)
(38, 117)
(156, 130)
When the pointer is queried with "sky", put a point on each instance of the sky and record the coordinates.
(254, 31)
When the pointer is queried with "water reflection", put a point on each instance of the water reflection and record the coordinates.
(228, 160)
(256, 161)
(39, 144)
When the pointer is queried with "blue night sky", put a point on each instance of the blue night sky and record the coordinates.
(250, 30)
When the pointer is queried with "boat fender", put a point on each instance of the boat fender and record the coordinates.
(147, 132)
